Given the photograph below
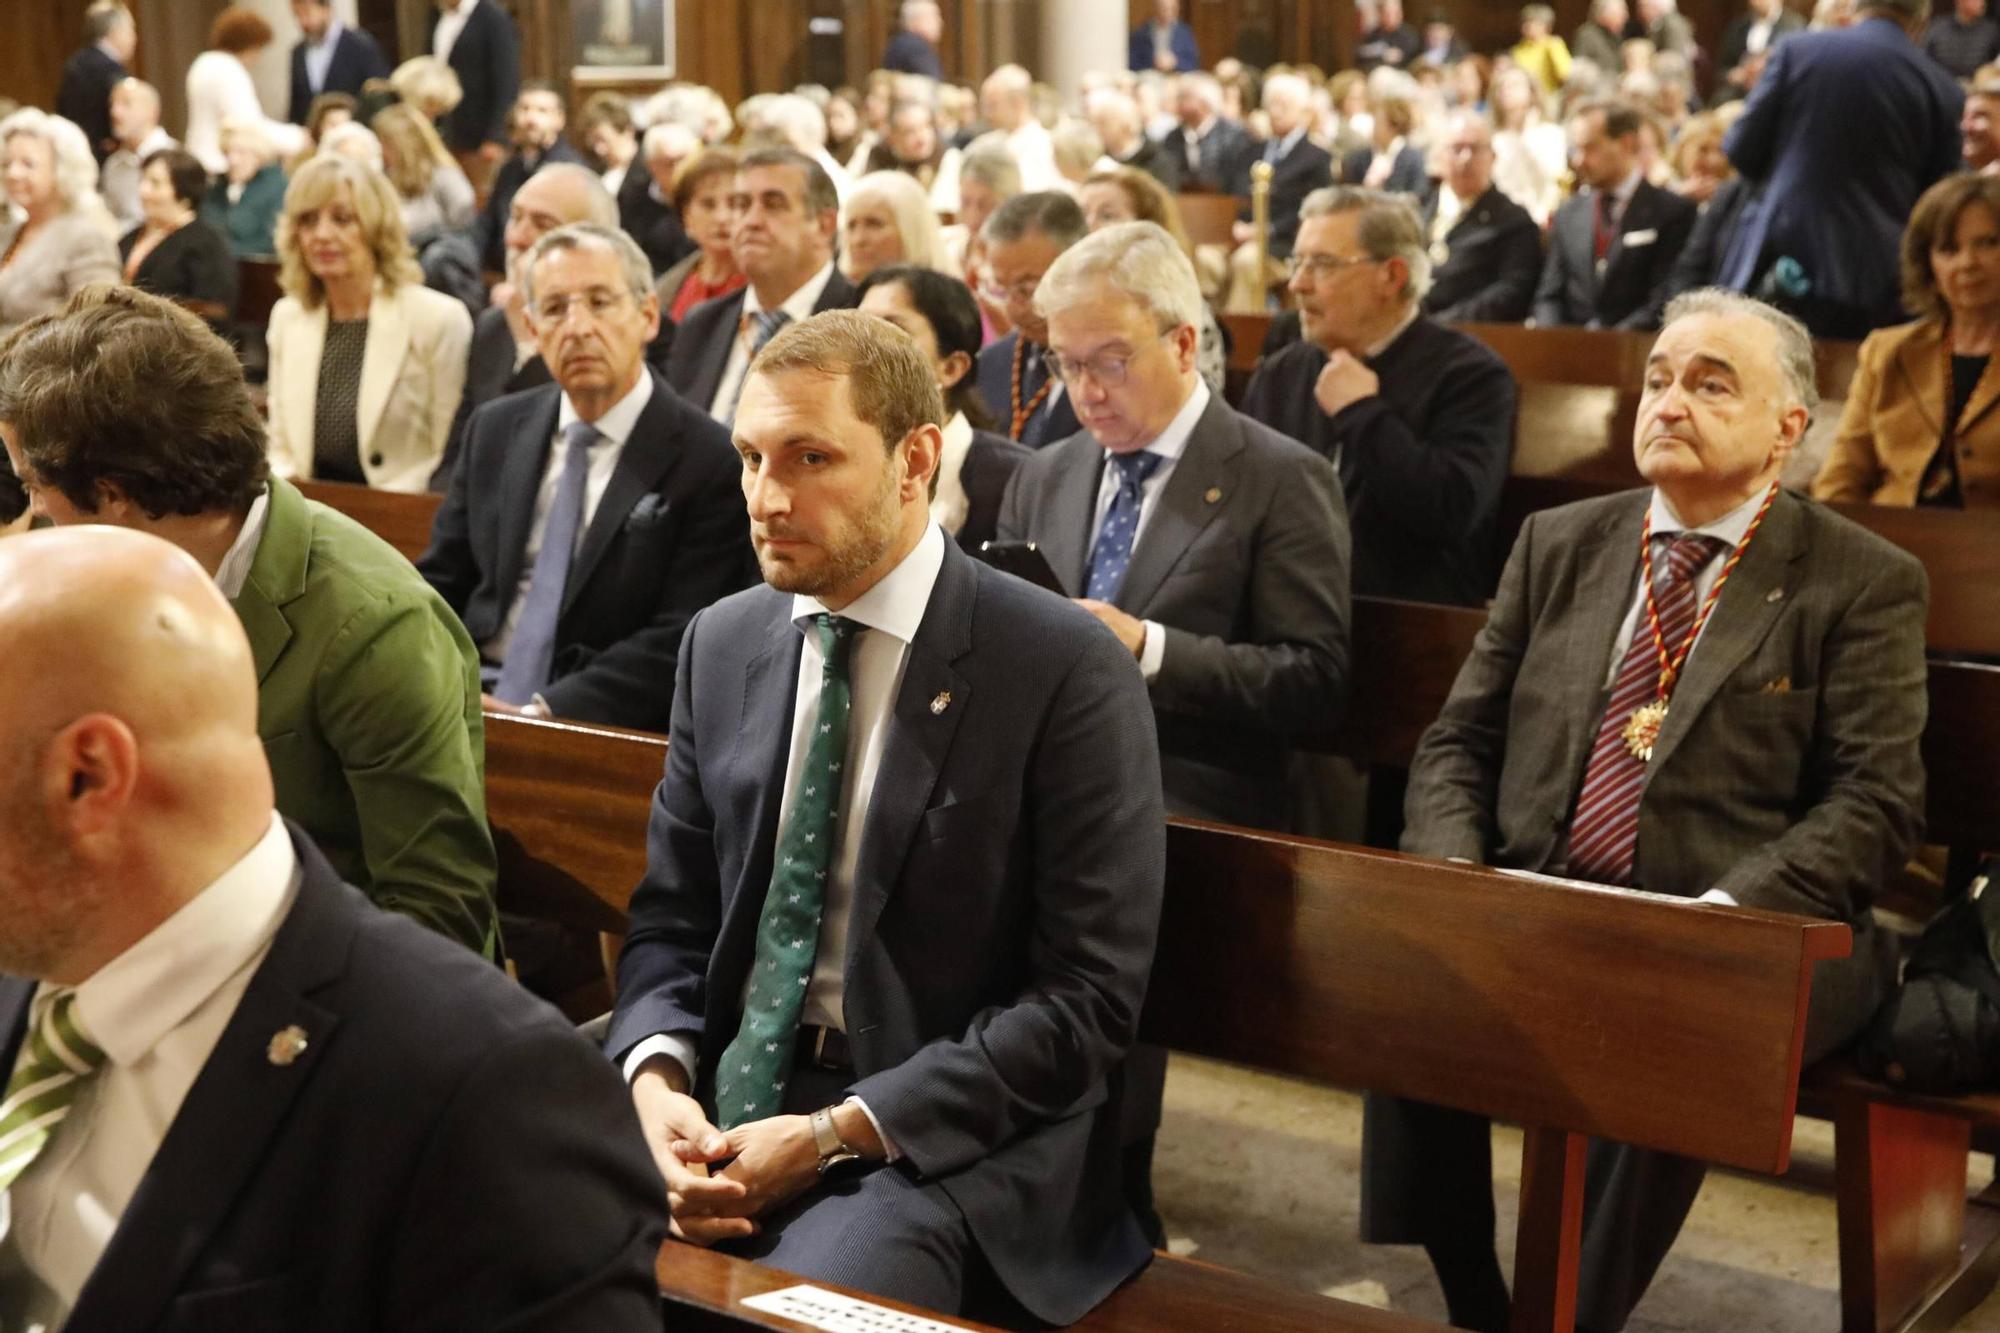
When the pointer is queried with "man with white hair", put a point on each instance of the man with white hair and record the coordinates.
(135, 126)
(646, 200)
(1666, 27)
(800, 126)
(914, 48)
(1115, 117)
(1418, 417)
(1006, 104)
(1212, 151)
(1602, 35)
(1298, 167)
(1709, 688)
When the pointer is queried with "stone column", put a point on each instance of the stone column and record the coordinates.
(1078, 37)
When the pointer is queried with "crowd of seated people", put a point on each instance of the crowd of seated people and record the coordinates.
(723, 404)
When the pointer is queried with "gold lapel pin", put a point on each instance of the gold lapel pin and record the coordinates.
(1214, 494)
(942, 702)
(287, 1045)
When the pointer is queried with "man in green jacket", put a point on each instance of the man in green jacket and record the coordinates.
(124, 409)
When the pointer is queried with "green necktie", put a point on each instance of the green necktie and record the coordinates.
(55, 1058)
(750, 1082)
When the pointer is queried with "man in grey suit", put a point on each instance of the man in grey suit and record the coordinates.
(904, 879)
(1607, 728)
(1215, 548)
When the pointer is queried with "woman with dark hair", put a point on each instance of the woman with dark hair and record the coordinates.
(938, 312)
(702, 199)
(173, 252)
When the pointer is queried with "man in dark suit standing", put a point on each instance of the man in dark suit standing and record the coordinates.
(1739, 730)
(1843, 132)
(589, 519)
(913, 50)
(1298, 167)
(331, 58)
(1417, 418)
(1164, 43)
(1486, 251)
(1611, 248)
(1214, 153)
(538, 123)
(1028, 401)
(904, 880)
(238, 1096)
(786, 215)
(111, 39)
(477, 39)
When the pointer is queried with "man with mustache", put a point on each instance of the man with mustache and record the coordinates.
(1710, 688)
(590, 518)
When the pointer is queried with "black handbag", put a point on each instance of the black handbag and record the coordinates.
(1940, 1031)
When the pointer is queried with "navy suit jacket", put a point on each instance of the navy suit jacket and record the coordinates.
(1492, 262)
(1187, 56)
(487, 59)
(1054, 420)
(356, 59)
(990, 463)
(1226, 155)
(669, 536)
(703, 340)
(1406, 176)
(1637, 270)
(1005, 904)
(1306, 168)
(1841, 134)
(446, 1152)
(910, 53)
(84, 96)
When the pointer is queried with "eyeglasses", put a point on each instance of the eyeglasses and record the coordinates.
(1022, 291)
(598, 302)
(1108, 369)
(1319, 266)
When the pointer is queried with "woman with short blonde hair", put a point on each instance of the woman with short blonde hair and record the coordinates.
(435, 194)
(429, 85)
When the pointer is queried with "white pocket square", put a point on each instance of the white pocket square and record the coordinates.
(1636, 238)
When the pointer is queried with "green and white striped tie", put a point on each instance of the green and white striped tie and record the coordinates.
(54, 1061)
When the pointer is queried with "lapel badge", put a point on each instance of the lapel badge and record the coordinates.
(1214, 494)
(287, 1045)
(1776, 594)
(942, 702)
(1782, 685)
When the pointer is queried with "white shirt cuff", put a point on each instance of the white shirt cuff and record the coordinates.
(1153, 651)
(537, 708)
(1722, 896)
(889, 1152)
(677, 1046)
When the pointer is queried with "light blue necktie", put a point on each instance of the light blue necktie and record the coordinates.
(531, 652)
(1113, 552)
(768, 323)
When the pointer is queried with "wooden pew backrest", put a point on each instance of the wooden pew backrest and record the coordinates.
(403, 521)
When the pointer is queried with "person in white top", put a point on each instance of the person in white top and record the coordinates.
(135, 124)
(219, 88)
(1005, 102)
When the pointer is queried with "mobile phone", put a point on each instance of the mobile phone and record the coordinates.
(1023, 560)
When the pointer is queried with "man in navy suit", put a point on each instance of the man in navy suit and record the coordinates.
(238, 1095)
(1298, 167)
(786, 215)
(1165, 43)
(84, 97)
(1841, 134)
(913, 50)
(538, 124)
(1213, 153)
(903, 883)
(1023, 237)
(477, 39)
(332, 58)
(589, 519)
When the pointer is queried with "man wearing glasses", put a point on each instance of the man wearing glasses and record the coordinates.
(1417, 417)
(606, 510)
(1022, 238)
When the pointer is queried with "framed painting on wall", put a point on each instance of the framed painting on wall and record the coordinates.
(619, 41)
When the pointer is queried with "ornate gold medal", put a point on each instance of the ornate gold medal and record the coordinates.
(1642, 729)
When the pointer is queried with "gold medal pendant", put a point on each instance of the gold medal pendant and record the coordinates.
(1642, 729)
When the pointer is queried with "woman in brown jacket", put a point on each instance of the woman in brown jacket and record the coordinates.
(1920, 426)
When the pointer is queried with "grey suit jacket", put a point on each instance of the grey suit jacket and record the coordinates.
(1244, 561)
(1005, 904)
(1787, 773)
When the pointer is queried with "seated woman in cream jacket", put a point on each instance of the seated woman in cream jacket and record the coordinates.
(366, 363)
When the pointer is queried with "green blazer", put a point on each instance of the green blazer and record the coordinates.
(368, 706)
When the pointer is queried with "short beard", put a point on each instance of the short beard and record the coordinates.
(872, 538)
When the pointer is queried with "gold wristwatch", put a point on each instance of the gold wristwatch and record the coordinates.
(833, 1150)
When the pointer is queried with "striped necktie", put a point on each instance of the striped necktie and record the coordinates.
(55, 1058)
(760, 327)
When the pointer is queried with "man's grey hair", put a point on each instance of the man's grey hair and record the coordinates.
(1137, 258)
(103, 18)
(666, 137)
(912, 8)
(796, 121)
(1204, 86)
(598, 205)
(992, 164)
(815, 185)
(1050, 213)
(1388, 228)
(590, 236)
(1794, 344)
(146, 92)
(1293, 86)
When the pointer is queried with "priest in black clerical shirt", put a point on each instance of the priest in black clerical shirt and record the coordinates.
(1418, 417)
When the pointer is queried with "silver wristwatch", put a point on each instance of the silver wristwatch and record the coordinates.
(833, 1152)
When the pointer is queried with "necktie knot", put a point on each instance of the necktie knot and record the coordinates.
(579, 435)
(1687, 552)
(836, 639)
(768, 323)
(56, 1055)
(1135, 469)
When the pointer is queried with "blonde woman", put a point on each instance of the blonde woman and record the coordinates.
(436, 195)
(887, 219)
(429, 85)
(366, 364)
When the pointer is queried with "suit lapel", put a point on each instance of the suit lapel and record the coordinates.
(1064, 536)
(277, 576)
(238, 1101)
(1921, 360)
(381, 362)
(1604, 580)
(520, 483)
(305, 346)
(15, 993)
(649, 454)
(1194, 494)
(715, 356)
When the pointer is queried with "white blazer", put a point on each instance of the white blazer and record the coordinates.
(412, 373)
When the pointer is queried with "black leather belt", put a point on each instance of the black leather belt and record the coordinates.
(824, 1048)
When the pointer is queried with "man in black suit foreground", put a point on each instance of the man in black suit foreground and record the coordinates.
(1417, 417)
(330, 58)
(274, 1105)
(786, 215)
(1612, 248)
(589, 519)
(904, 880)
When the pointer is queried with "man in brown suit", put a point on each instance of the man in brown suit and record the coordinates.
(1775, 765)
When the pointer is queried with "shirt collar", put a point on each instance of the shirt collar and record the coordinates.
(132, 1002)
(895, 605)
(1628, 187)
(617, 424)
(799, 305)
(1289, 142)
(234, 571)
(332, 35)
(1171, 443)
(1729, 528)
(957, 436)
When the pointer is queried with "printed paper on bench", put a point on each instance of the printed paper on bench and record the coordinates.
(842, 1314)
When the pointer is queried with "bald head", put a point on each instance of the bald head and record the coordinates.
(133, 775)
(555, 196)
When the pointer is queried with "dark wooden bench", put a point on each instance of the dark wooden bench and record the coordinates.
(1209, 219)
(403, 521)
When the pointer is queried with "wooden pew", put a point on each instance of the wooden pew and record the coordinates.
(403, 521)
(1209, 219)
(257, 291)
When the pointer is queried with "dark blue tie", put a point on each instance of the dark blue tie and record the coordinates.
(1113, 552)
(532, 650)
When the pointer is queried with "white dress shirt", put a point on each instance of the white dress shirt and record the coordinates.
(234, 571)
(157, 1010)
(1759, 35)
(450, 24)
(118, 179)
(614, 428)
(1169, 445)
(1035, 153)
(1728, 529)
(319, 55)
(950, 505)
(890, 613)
(799, 305)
